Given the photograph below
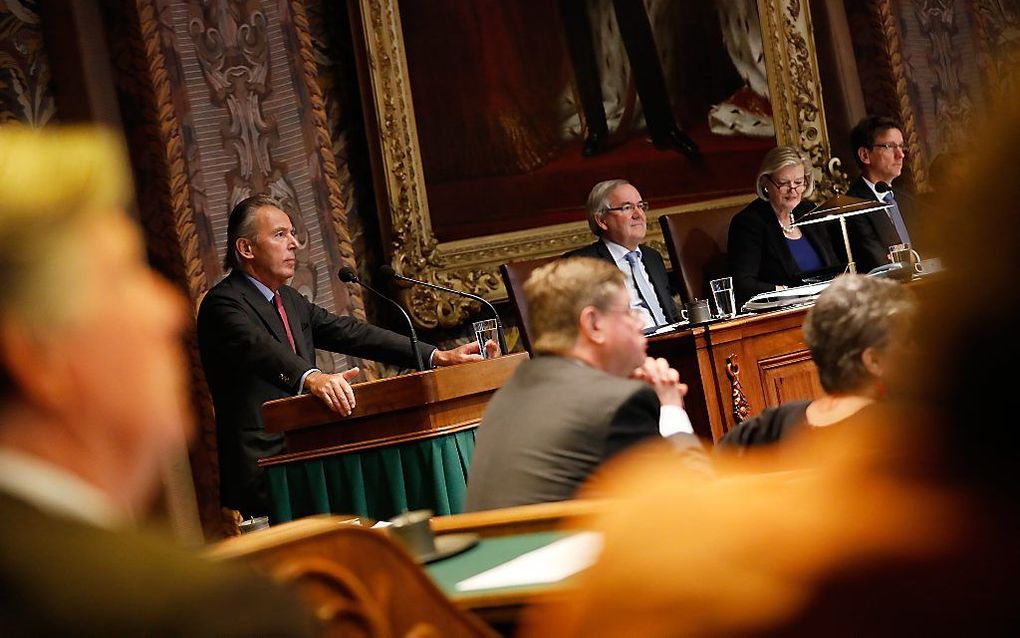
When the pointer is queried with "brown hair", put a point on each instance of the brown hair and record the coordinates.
(241, 224)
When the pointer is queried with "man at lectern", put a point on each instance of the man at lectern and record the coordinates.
(880, 152)
(589, 393)
(257, 337)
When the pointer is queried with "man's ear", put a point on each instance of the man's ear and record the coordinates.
(243, 246)
(590, 325)
(864, 155)
(38, 376)
(600, 221)
(872, 358)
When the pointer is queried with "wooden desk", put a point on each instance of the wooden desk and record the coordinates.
(740, 367)
(518, 530)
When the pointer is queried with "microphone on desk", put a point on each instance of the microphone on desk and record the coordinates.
(388, 273)
(882, 187)
(349, 276)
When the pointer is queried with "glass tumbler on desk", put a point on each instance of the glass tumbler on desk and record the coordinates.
(722, 295)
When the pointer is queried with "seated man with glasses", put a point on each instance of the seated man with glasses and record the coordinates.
(616, 214)
(589, 392)
(766, 252)
(879, 152)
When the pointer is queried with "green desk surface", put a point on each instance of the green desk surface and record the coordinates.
(488, 553)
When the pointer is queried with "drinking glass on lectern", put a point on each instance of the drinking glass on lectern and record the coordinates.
(722, 295)
(485, 331)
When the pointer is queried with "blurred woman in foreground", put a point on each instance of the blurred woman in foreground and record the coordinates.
(857, 333)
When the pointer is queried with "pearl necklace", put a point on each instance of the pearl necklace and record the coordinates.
(787, 230)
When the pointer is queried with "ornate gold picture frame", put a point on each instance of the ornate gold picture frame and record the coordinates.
(472, 264)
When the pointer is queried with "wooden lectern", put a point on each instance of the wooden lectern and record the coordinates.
(407, 444)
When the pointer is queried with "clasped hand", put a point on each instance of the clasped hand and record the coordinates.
(663, 379)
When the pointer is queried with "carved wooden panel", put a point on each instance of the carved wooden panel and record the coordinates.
(789, 377)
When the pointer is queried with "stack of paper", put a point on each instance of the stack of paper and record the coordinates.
(784, 298)
(548, 564)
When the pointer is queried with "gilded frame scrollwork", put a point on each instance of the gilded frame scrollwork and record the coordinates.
(472, 264)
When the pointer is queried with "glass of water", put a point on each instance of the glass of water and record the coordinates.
(722, 295)
(485, 331)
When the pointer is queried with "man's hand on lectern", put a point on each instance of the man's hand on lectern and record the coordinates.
(334, 389)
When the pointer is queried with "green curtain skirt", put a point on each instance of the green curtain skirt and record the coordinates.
(378, 483)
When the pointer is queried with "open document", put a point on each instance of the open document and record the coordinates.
(777, 299)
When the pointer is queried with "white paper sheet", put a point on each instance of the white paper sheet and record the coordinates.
(548, 564)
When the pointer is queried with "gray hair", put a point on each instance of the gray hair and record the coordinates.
(779, 158)
(596, 203)
(853, 314)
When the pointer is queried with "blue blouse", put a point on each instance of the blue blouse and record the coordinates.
(804, 254)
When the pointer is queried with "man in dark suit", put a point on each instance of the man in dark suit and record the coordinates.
(92, 406)
(589, 393)
(257, 337)
(879, 152)
(616, 214)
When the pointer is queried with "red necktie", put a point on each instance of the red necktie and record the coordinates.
(278, 302)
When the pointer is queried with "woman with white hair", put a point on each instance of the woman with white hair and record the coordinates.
(766, 251)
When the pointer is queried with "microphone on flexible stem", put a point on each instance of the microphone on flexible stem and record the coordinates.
(882, 187)
(387, 272)
(349, 276)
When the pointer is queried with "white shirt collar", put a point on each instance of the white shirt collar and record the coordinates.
(264, 289)
(55, 490)
(879, 196)
(617, 251)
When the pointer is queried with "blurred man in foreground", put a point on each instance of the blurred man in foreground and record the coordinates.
(589, 393)
(92, 403)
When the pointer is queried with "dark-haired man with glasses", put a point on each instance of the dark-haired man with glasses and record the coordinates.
(616, 214)
(879, 152)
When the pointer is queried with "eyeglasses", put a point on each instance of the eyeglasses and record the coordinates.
(790, 185)
(889, 147)
(633, 313)
(627, 208)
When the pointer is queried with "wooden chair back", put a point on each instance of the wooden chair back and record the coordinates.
(514, 275)
(355, 580)
(696, 241)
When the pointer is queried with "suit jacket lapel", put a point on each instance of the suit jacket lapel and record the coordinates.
(264, 309)
(603, 251)
(884, 228)
(777, 243)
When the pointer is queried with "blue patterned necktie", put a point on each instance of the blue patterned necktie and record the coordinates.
(897, 218)
(644, 288)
